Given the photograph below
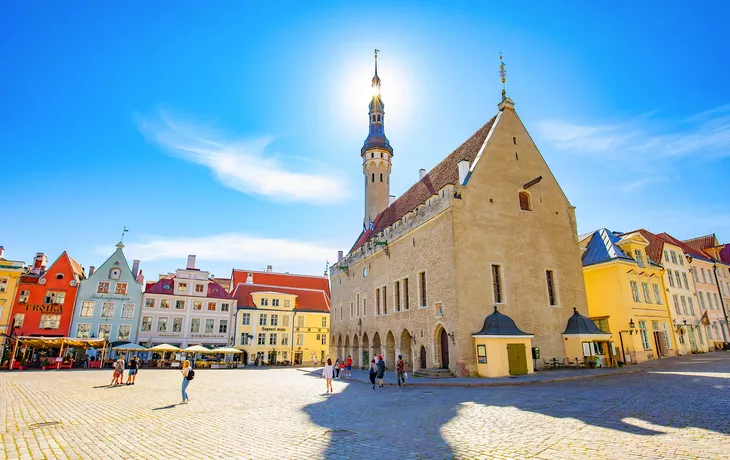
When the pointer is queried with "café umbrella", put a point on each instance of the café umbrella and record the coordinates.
(164, 347)
(197, 349)
(226, 350)
(130, 347)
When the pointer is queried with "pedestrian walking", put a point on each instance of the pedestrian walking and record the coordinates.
(400, 368)
(132, 374)
(381, 371)
(348, 366)
(118, 372)
(337, 368)
(188, 374)
(373, 372)
(314, 359)
(328, 373)
(342, 369)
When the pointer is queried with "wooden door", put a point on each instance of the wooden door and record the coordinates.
(444, 350)
(422, 357)
(517, 358)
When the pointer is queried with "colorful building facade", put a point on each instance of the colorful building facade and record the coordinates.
(280, 324)
(187, 308)
(626, 295)
(45, 298)
(109, 301)
(10, 273)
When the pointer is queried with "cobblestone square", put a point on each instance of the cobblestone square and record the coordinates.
(678, 408)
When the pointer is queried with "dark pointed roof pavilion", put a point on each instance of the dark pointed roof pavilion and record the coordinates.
(498, 324)
(581, 325)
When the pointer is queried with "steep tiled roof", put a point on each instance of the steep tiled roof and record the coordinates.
(684, 246)
(167, 286)
(702, 242)
(281, 279)
(656, 245)
(603, 247)
(314, 300)
(725, 254)
(444, 173)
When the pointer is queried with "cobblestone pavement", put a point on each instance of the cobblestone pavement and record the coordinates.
(679, 409)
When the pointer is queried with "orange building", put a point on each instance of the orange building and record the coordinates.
(45, 297)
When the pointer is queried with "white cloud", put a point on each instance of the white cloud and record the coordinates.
(706, 133)
(241, 164)
(639, 184)
(228, 247)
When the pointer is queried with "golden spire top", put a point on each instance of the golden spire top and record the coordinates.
(503, 76)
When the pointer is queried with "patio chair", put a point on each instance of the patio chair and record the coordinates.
(547, 364)
(568, 363)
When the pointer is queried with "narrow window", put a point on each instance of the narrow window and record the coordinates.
(377, 302)
(381, 177)
(385, 300)
(551, 288)
(397, 295)
(497, 283)
(525, 201)
(424, 299)
(373, 177)
(514, 140)
(406, 299)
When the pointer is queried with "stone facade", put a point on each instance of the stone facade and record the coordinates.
(451, 229)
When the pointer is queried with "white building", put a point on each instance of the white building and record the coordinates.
(187, 308)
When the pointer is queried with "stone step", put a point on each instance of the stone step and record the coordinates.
(433, 373)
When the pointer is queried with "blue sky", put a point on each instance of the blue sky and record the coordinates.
(233, 130)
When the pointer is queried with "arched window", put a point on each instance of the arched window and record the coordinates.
(525, 204)
(373, 177)
(381, 177)
(372, 155)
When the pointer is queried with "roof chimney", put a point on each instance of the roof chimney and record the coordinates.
(39, 263)
(2, 251)
(340, 255)
(140, 278)
(191, 262)
(421, 173)
(463, 171)
(135, 268)
(269, 269)
(249, 278)
(92, 269)
(391, 199)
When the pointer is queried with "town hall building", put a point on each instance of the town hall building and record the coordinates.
(486, 238)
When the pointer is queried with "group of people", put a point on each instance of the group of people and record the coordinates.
(132, 367)
(377, 371)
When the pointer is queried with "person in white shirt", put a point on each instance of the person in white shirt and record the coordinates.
(328, 373)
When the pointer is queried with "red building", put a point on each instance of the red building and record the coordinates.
(45, 300)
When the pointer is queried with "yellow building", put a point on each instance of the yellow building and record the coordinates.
(10, 271)
(626, 296)
(281, 324)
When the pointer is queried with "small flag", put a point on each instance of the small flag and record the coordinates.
(372, 227)
(363, 225)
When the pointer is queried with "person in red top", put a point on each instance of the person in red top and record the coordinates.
(342, 369)
(349, 366)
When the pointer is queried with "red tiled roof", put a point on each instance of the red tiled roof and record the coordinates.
(656, 245)
(684, 246)
(444, 173)
(315, 300)
(702, 242)
(167, 286)
(281, 279)
(725, 254)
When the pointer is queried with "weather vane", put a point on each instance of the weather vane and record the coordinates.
(123, 232)
(503, 75)
(376, 53)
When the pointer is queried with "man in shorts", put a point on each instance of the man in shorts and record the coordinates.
(132, 374)
(348, 366)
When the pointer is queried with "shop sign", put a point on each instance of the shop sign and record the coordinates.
(273, 329)
(207, 336)
(45, 308)
(482, 354)
(117, 298)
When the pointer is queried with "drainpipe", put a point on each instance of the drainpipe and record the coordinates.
(725, 345)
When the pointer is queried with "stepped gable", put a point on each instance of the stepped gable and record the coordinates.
(444, 173)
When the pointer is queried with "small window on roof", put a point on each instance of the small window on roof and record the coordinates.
(525, 204)
(59, 276)
(514, 140)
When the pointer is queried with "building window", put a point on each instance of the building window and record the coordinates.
(300, 321)
(699, 335)
(162, 324)
(657, 294)
(50, 321)
(19, 319)
(364, 306)
(552, 294)
(263, 319)
(681, 260)
(177, 324)
(211, 306)
(273, 339)
(676, 304)
(352, 310)
(195, 325)
(274, 320)
(684, 305)
(120, 288)
(635, 291)
(679, 279)
(223, 326)
(103, 287)
(285, 320)
(23, 296)
(674, 258)
(105, 331)
(149, 303)
(244, 338)
(396, 294)
(264, 302)
(525, 201)
(87, 309)
(406, 298)
(165, 303)
(107, 309)
(300, 340)
(274, 302)
(702, 300)
(179, 305)
(209, 325)
(639, 256)
(115, 273)
(125, 331)
(146, 323)
(225, 307)
(684, 278)
(3, 285)
(377, 302)
(324, 321)
(644, 335)
(424, 298)
(262, 339)
(324, 339)
(287, 303)
(358, 304)
(128, 311)
(666, 256)
(245, 319)
(385, 299)
(645, 291)
(56, 298)
(665, 330)
(198, 305)
(691, 306)
(200, 288)
(373, 178)
(83, 330)
(381, 177)
(285, 339)
(497, 283)
(182, 286)
(602, 324)
(670, 278)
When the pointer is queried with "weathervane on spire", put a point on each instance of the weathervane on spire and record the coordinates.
(503, 75)
(376, 78)
(123, 232)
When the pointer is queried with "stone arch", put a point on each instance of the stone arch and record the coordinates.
(406, 340)
(389, 351)
(346, 351)
(365, 355)
(338, 350)
(377, 347)
(441, 353)
(356, 354)
(422, 355)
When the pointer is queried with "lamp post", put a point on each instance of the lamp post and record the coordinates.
(632, 325)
